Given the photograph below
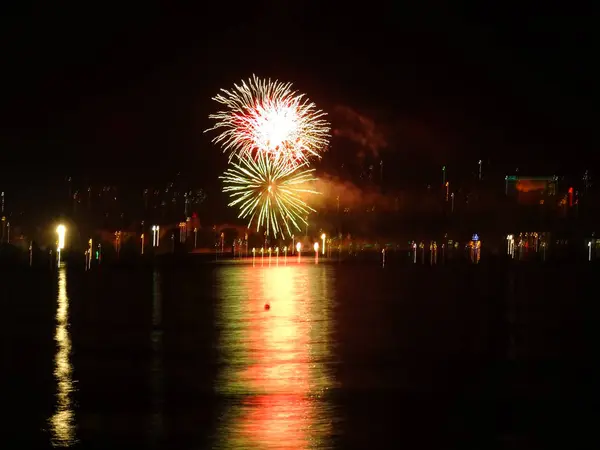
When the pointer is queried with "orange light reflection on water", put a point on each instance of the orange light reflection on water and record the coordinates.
(276, 379)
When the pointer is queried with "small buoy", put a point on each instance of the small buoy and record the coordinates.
(267, 306)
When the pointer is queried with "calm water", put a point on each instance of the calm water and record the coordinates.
(347, 356)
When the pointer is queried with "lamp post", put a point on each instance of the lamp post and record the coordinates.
(61, 231)
(511, 245)
(90, 251)
(118, 243)
(142, 238)
(155, 235)
(323, 239)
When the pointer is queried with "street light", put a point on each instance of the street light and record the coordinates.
(89, 253)
(155, 235)
(511, 245)
(61, 231)
(323, 239)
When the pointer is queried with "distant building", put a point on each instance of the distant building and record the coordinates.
(531, 190)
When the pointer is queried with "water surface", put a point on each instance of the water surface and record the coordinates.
(297, 356)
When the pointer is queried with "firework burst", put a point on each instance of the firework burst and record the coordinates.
(269, 192)
(262, 116)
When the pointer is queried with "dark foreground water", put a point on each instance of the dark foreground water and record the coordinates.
(347, 356)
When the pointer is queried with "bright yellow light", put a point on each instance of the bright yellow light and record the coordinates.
(316, 246)
(61, 231)
(298, 247)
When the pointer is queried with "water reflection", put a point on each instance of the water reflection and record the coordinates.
(62, 422)
(275, 361)
(156, 427)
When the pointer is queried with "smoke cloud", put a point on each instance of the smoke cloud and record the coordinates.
(415, 141)
(349, 195)
(359, 129)
(410, 136)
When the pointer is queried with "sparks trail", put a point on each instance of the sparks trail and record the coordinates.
(262, 116)
(269, 192)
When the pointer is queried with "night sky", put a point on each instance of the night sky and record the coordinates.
(101, 92)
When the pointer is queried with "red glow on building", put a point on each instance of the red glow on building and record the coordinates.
(531, 185)
(570, 196)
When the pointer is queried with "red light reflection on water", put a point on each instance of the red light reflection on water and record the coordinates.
(280, 384)
(283, 414)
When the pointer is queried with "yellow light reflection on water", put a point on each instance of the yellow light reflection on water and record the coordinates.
(157, 425)
(62, 421)
(275, 360)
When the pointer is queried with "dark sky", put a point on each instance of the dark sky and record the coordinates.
(102, 91)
